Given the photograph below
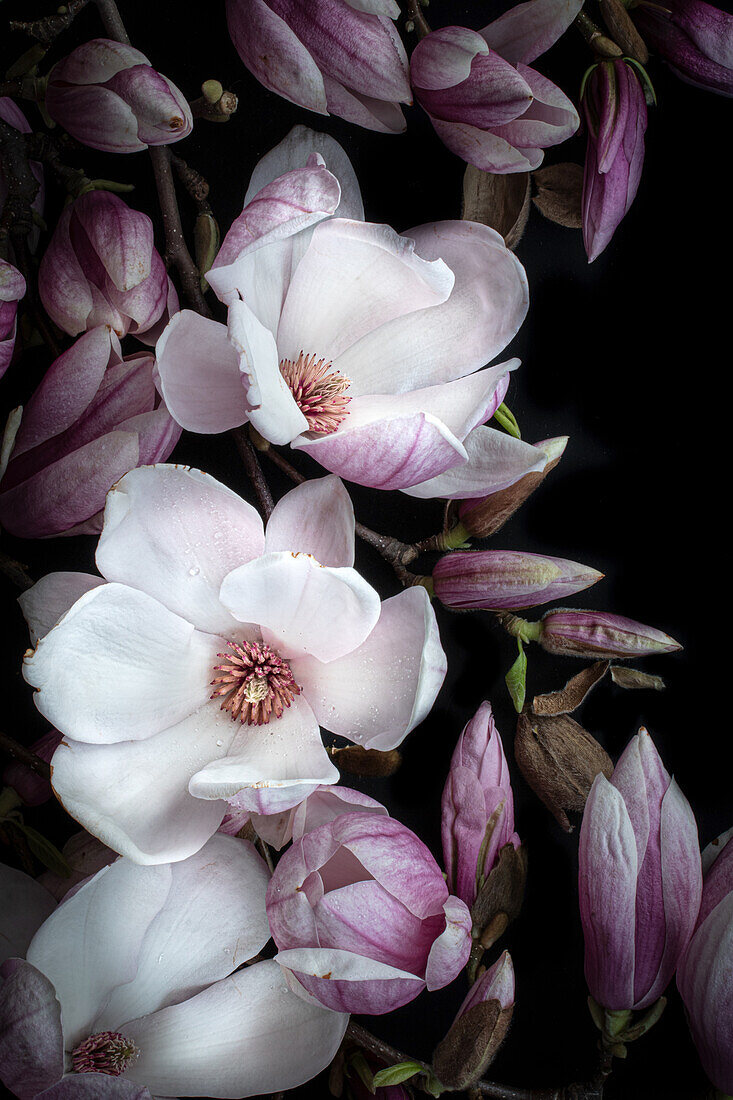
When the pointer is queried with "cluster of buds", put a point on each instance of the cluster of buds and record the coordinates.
(12, 290)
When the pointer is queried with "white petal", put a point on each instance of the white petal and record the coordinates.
(302, 606)
(26, 905)
(315, 518)
(175, 533)
(51, 597)
(495, 461)
(120, 666)
(245, 1036)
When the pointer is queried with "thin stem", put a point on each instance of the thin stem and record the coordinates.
(415, 14)
(254, 472)
(16, 572)
(46, 30)
(16, 751)
(112, 20)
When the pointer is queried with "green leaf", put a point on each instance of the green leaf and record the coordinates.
(395, 1075)
(43, 849)
(359, 1064)
(516, 679)
(433, 1086)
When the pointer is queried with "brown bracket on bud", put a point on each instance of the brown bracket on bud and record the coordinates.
(498, 902)
(499, 201)
(471, 1045)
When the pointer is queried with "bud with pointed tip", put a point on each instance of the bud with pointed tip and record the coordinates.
(478, 1030)
(572, 632)
(107, 95)
(507, 580)
(12, 289)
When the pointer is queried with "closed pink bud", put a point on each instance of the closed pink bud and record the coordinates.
(477, 806)
(107, 95)
(94, 416)
(362, 916)
(705, 976)
(101, 268)
(694, 38)
(330, 56)
(507, 580)
(12, 289)
(640, 879)
(571, 632)
(32, 788)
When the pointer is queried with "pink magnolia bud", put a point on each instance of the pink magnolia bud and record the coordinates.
(94, 416)
(571, 632)
(477, 806)
(694, 38)
(615, 114)
(498, 116)
(333, 57)
(12, 289)
(640, 879)
(32, 788)
(507, 580)
(107, 95)
(101, 269)
(362, 916)
(705, 976)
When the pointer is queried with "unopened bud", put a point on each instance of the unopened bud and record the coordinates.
(504, 580)
(623, 31)
(573, 632)
(484, 517)
(559, 760)
(499, 899)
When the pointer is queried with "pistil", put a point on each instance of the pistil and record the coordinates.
(319, 391)
(254, 684)
(106, 1052)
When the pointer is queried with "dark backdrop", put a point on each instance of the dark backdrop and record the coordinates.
(628, 357)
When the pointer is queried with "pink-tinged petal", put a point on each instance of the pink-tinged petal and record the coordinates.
(607, 890)
(51, 597)
(488, 151)
(390, 8)
(217, 897)
(293, 152)
(31, 1039)
(710, 855)
(72, 948)
(485, 309)
(450, 951)
(175, 533)
(12, 283)
(234, 1022)
(315, 518)
(274, 54)
(265, 801)
(26, 905)
(550, 118)
(94, 1086)
(96, 61)
(327, 803)
(443, 58)
(198, 374)
(464, 831)
(495, 461)
(161, 110)
(122, 238)
(390, 453)
(96, 117)
(62, 285)
(354, 277)
(134, 795)
(286, 752)
(386, 687)
(345, 982)
(363, 110)
(271, 405)
(150, 670)
(529, 29)
(145, 303)
(302, 606)
(71, 490)
(157, 434)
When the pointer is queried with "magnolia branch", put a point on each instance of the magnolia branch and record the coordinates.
(254, 471)
(16, 751)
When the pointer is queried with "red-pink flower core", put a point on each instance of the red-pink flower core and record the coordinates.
(107, 1052)
(255, 683)
(319, 391)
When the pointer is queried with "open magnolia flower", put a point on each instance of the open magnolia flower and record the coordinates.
(201, 670)
(351, 342)
(132, 987)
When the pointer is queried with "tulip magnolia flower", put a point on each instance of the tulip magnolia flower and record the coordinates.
(362, 916)
(12, 289)
(483, 99)
(101, 268)
(352, 343)
(107, 95)
(694, 38)
(203, 666)
(640, 879)
(343, 57)
(94, 416)
(131, 988)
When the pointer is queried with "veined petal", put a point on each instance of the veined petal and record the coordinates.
(51, 597)
(485, 149)
(550, 118)
(315, 518)
(528, 30)
(449, 953)
(31, 1039)
(347, 982)
(495, 461)
(26, 904)
(384, 116)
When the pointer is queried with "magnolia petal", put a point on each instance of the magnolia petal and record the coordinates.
(234, 1023)
(363, 110)
(495, 461)
(484, 149)
(529, 29)
(443, 58)
(175, 533)
(315, 518)
(345, 982)
(31, 1038)
(95, 1086)
(26, 904)
(153, 670)
(550, 119)
(51, 597)
(387, 686)
(268, 801)
(450, 951)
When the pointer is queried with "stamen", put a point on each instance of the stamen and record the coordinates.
(319, 391)
(107, 1052)
(255, 683)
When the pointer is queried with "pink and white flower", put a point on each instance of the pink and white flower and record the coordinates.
(351, 342)
(199, 666)
(132, 987)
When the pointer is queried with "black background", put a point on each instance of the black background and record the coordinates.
(628, 357)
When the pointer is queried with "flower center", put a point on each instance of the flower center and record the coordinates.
(319, 391)
(107, 1052)
(254, 683)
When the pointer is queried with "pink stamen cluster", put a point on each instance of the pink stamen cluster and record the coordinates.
(107, 1052)
(254, 682)
(319, 391)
